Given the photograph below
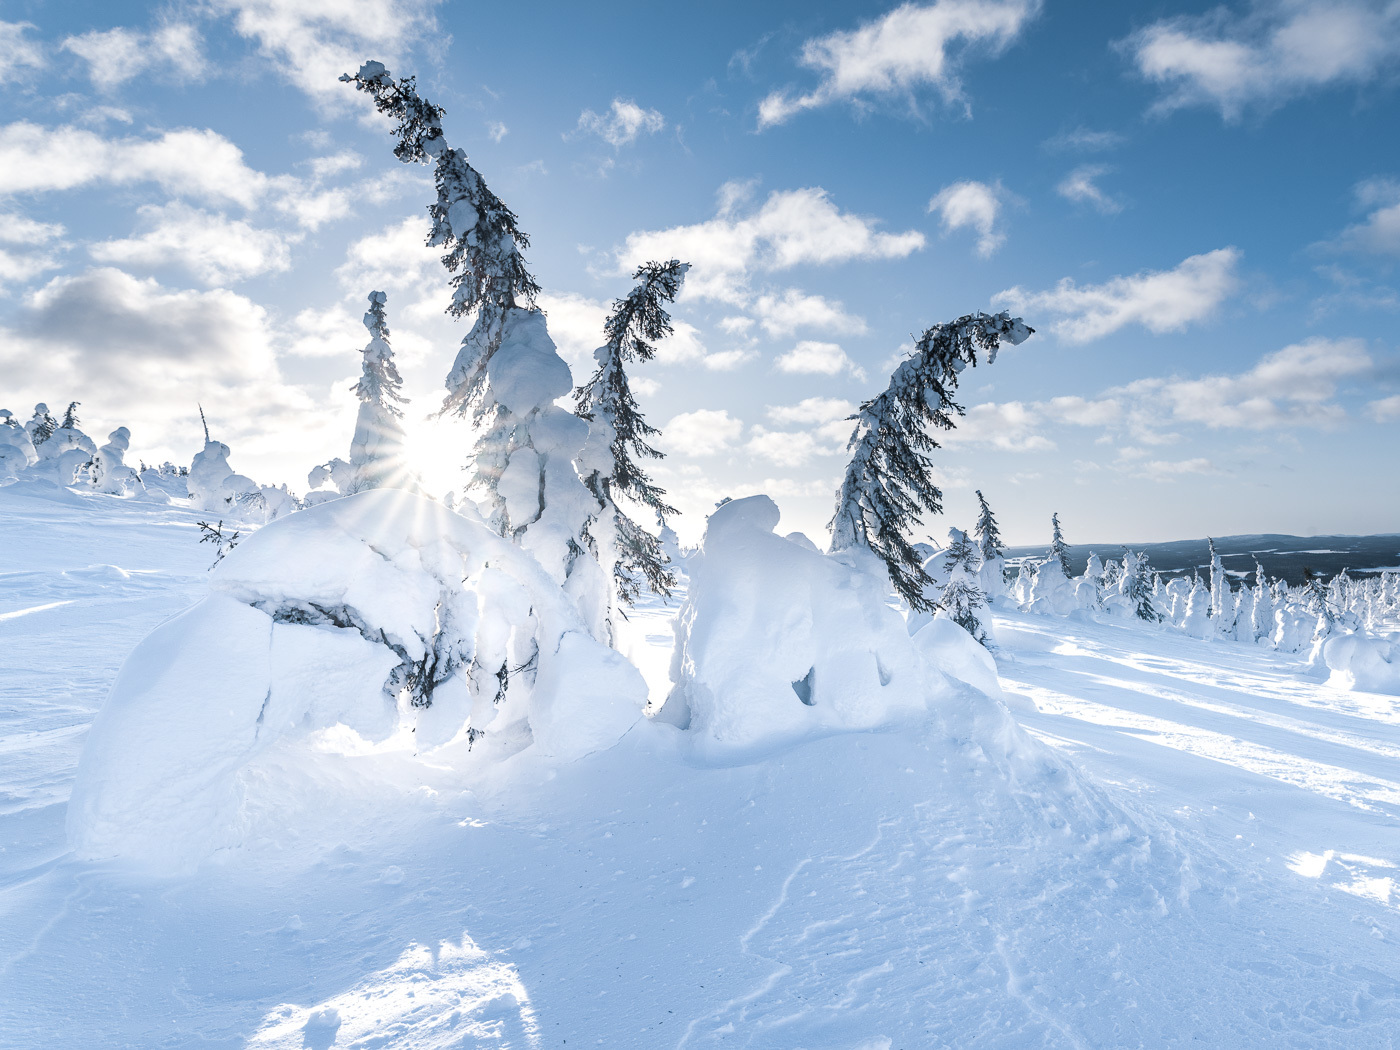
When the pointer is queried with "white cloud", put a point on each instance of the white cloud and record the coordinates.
(1080, 187)
(1295, 386)
(395, 257)
(20, 229)
(1084, 140)
(728, 360)
(704, 432)
(496, 130)
(147, 354)
(622, 123)
(115, 56)
(811, 357)
(33, 253)
(312, 42)
(792, 228)
(1384, 410)
(1279, 50)
(1161, 300)
(973, 205)
(17, 53)
(576, 325)
(185, 162)
(812, 410)
(784, 314)
(1379, 232)
(785, 448)
(908, 48)
(212, 247)
(1009, 426)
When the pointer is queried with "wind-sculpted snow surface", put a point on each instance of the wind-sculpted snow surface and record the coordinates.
(377, 611)
(777, 641)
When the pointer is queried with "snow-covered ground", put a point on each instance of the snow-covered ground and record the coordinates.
(1213, 865)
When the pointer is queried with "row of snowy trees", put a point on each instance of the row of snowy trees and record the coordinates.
(968, 577)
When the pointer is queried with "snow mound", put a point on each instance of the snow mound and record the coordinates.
(380, 611)
(1359, 662)
(777, 641)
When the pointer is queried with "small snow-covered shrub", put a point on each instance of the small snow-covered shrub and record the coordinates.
(382, 611)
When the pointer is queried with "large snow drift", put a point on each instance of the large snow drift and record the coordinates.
(379, 611)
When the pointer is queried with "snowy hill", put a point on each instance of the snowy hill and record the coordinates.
(1166, 842)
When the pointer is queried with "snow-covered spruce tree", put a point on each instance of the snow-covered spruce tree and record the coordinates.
(988, 536)
(70, 417)
(1137, 587)
(41, 426)
(1058, 551)
(377, 450)
(992, 575)
(618, 435)
(962, 597)
(508, 372)
(889, 481)
(1219, 587)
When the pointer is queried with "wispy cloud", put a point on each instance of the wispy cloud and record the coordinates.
(1277, 51)
(972, 205)
(1159, 300)
(909, 48)
(1081, 187)
(622, 123)
(115, 56)
(791, 228)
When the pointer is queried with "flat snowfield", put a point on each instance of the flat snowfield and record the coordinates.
(1205, 854)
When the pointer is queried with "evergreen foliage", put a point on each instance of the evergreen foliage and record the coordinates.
(481, 236)
(889, 481)
(619, 434)
(1058, 550)
(376, 453)
(1138, 587)
(43, 425)
(70, 417)
(989, 542)
(961, 596)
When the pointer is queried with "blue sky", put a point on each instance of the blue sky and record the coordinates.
(1198, 207)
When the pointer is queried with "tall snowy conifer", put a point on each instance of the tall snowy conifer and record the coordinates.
(962, 597)
(1138, 585)
(1058, 551)
(70, 417)
(377, 452)
(988, 535)
(483, 241)
(618, 434)
(508, 373)
(889, 482)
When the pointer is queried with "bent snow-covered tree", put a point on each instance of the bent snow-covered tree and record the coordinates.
(377, 450)
(618, 434)
(889, 481)
(508, 372)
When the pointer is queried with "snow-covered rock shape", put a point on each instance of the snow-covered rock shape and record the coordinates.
(382, 611)
(776, 642)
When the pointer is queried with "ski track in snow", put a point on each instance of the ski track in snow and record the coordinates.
(1220, 872)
